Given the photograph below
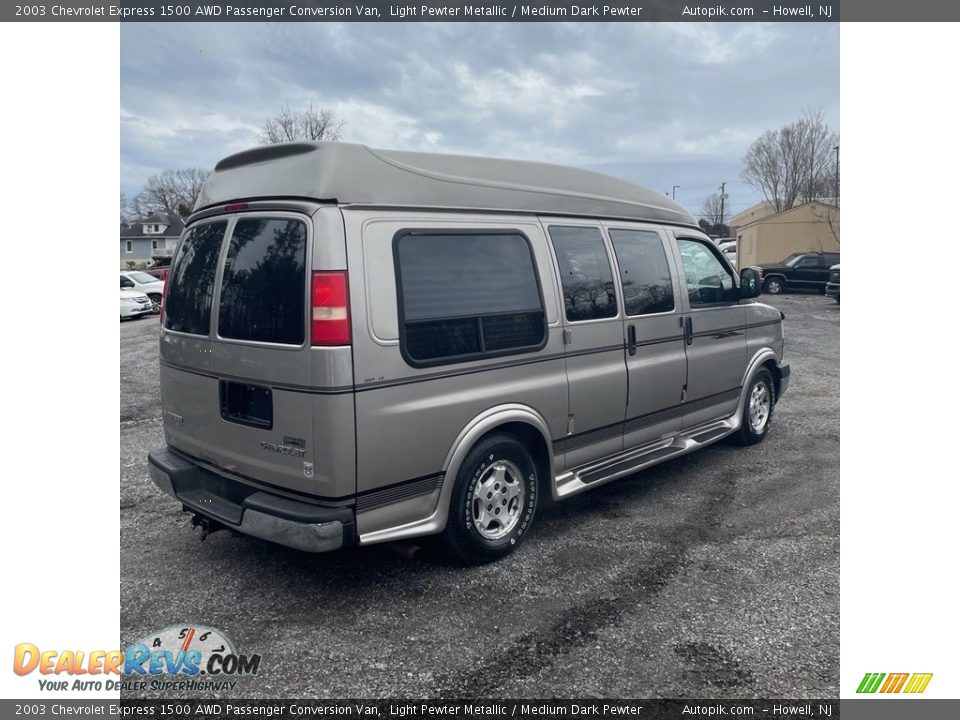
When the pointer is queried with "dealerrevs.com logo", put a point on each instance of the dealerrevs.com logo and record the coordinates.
(910, 683)
(179, 657)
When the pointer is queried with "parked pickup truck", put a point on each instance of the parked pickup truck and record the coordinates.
(800, 271)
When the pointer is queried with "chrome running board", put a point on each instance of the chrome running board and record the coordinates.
(598, 472)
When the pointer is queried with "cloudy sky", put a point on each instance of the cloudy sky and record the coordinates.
(659, 104)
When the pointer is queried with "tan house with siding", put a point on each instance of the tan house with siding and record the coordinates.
(813, 226)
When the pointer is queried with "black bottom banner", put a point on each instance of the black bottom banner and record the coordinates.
(859, 709)
(415, 709)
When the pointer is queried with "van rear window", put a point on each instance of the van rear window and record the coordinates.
(467, 295)
(189, 291)
(262, 297)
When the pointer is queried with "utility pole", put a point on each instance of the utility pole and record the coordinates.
(723, 197)
(674, 191)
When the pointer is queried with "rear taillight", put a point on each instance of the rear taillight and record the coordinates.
(163, 305)
(330, 309)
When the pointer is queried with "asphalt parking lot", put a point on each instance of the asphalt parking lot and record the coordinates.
(714, 575)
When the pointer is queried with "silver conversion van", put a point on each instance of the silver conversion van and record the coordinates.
(361, 345)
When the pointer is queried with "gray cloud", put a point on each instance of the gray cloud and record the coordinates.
(656, 103)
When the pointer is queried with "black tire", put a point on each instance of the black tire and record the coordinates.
(462, 536)
(156, 298)
(749, 433)
(773, 285)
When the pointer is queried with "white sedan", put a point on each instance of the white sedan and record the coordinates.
(134, 304)
(143, 283)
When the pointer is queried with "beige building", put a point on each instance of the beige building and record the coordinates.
(813, 226)
(753, 213)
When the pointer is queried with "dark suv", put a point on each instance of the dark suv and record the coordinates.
(800, 271)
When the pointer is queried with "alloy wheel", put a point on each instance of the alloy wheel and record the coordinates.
(498, 499)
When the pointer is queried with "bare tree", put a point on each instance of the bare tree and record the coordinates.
(793, 163)
(127, 210)
(712, 210)
(311, 123)
(174, 192)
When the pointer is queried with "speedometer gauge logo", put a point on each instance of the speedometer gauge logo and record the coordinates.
(188, 650)
(207, 640)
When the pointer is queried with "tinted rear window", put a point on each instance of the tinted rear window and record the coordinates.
(190, 288)
(466, 295)
(262, 297)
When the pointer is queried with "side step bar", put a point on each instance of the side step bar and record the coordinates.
(630, 461)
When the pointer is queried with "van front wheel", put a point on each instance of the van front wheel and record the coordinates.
(757, 410)
(494, 500)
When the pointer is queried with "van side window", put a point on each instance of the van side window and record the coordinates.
(467, 295)
(190, 283)
(644, 272)
(708, 280)
(262, 295)
(588, 292)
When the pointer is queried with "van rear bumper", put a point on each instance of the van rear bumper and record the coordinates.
(253, 512)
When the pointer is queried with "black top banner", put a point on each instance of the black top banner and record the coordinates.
(479, 11)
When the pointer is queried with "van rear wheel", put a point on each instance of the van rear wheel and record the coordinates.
(494, 500)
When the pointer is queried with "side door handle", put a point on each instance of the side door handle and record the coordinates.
(631, 340)
(688, 330)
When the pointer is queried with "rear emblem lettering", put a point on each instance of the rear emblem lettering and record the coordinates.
(281, 449)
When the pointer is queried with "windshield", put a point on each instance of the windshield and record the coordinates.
(142, 277)
(792, 260)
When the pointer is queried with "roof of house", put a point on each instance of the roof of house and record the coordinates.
(779, 217)
(352, 174)
(173, 226)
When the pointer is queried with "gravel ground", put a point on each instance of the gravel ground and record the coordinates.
(714, 575)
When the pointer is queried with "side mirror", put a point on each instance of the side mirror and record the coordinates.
(749, 283)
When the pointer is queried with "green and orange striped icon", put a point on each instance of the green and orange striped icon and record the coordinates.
(894, 682)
